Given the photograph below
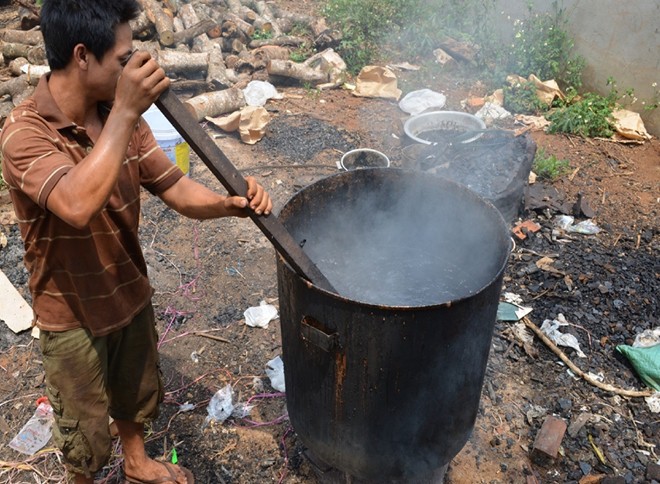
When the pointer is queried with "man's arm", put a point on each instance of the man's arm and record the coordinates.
(194, 200)
(84, 191)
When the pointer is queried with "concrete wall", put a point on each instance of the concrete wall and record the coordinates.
(617, 39)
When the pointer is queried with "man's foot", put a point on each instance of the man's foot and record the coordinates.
(164, 473)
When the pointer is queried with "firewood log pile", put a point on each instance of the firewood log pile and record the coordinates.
(209, 48)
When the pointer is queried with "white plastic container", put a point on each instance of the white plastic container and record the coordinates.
(168, 138)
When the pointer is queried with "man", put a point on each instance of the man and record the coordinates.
(75, 155)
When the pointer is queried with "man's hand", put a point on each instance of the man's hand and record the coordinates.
(194, 200)
(140, 83)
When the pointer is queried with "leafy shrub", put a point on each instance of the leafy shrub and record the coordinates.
(542, 46)
(413, 28)
(522, 99)
(589, 116)
(549, 167)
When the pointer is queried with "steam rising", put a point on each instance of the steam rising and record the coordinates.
(396, 238)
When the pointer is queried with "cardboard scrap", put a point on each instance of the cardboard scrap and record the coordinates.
(250, 122)
(14, 310)
(377, 81)
(629, 125)
(546, 91)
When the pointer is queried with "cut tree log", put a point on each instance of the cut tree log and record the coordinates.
(189, 17)
(12, 50)
(215, 103)
(142, 27)
(190, 33)
(29, 37)
(265, 12)
(282, 40)
(163, 22)
(29, 17)
(230, 30)
(245, 27)
(37, 55)
(249, 65)
(5, 109)
(242, 11)
(459, 50)
(294, 70)
(247, 14)
(21, 65)
(234, 6)
(196, 86)
(233, 46)
(263, 25)
(269, 52)
(324, 36)
(172, 6)
(174, 61)
(217, 70)
(14, 86)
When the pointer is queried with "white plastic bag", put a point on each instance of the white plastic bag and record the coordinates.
(221, 406)
(260, 316)
(551, 328)
(258, 92)
(416, 102)
(275, 371)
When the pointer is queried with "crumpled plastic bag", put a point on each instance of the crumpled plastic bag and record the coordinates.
(648, 337)
(221, 405)
(258, 92)
(645, 361)
(377, 81)
(275, 371)
(551, 329)
(491, 111)
(585, 227)
(418, 101)
(653, 402)
(260, 316)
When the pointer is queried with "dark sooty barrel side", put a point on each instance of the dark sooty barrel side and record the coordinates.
(389, 392)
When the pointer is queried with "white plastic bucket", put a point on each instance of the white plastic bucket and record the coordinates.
(168, 138)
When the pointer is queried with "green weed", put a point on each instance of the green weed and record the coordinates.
(262, 34)
(588, 116)
(542, 46)
(549, 167)
(521, 98)
(410, 28)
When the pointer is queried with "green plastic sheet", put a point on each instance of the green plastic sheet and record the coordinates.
(646, 362)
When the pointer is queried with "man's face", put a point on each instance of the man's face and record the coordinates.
(103, 75)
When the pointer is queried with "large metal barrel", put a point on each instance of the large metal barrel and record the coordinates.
(389, 392)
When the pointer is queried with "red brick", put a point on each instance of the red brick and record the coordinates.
(548, 440)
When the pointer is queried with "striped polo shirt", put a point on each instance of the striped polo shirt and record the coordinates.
(95, 277)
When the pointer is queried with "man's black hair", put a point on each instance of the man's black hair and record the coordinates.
(65, 23)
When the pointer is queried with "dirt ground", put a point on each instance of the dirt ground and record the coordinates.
(206, 274)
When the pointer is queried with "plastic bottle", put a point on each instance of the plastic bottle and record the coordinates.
(36, 432)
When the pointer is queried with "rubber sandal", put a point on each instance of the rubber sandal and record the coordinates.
(161, 480)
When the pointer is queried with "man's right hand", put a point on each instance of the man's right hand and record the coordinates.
(140, 83)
